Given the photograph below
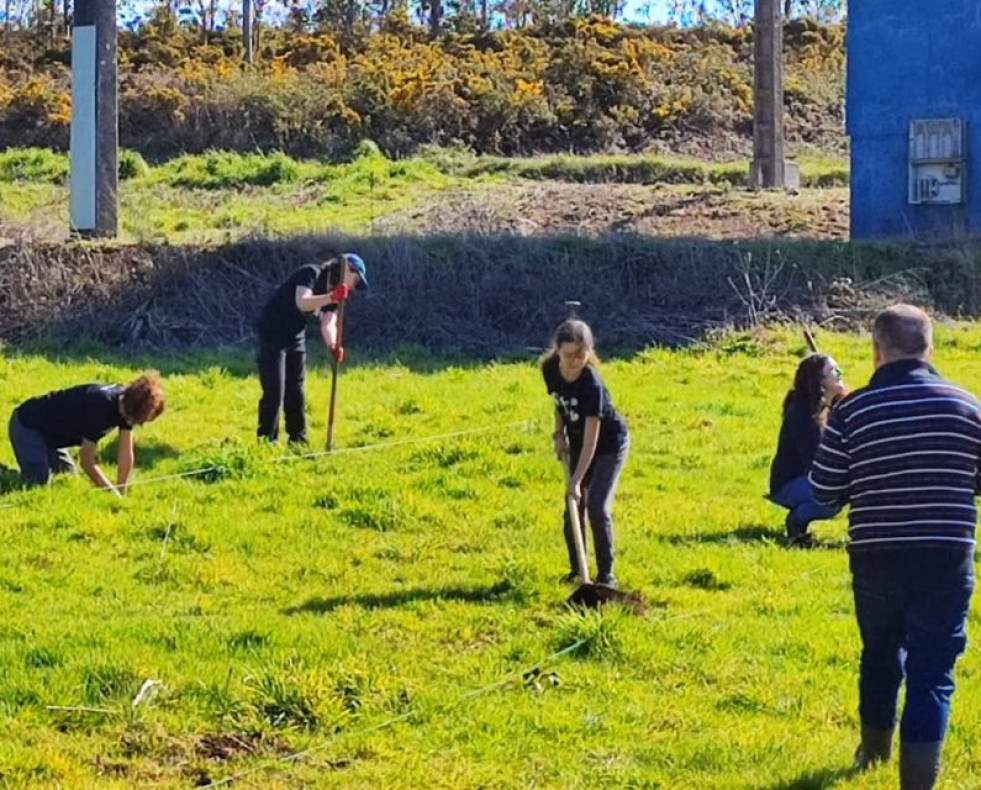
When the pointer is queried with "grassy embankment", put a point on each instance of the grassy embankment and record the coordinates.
(221, 196)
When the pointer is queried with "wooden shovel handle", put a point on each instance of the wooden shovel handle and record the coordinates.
(573, 507)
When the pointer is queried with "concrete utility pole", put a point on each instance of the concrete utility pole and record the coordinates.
(95, 120)
(769, 169)
(247, 29)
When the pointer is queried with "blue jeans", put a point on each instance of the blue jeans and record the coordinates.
(798, 498)
(912, 608)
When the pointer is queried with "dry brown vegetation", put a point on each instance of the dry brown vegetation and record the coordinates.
(597, 209)
(475, 291)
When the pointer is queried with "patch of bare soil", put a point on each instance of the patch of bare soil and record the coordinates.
(596, 209)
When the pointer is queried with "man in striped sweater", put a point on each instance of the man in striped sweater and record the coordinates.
(903, 452)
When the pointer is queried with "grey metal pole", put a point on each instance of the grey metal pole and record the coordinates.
(768, 141)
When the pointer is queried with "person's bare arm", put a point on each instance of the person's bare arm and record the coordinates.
(307, 301)
(87, 459)
(126, 459)
(591, 433)
(328, 329)
(558, 437)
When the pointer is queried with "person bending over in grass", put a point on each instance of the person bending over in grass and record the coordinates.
(589, 434)
(43, 428)
(281, 329)
(817, 387)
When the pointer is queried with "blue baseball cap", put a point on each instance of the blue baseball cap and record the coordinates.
(355, 262)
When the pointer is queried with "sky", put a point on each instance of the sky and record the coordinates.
(658, 11)
(647, 11)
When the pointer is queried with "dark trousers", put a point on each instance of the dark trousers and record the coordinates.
(599, 487)
(282, 371)
(35, 457)
(912, 611)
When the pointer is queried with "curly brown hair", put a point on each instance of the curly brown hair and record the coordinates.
(143, 400)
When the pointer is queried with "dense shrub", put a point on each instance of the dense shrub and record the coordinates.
(584, 85)
(224, 170)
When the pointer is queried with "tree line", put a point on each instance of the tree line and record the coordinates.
(438, 17)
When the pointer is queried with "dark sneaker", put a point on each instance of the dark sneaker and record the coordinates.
(570, 578)
(794, 528)
(797, 534)
(607, 581)
(805, 541)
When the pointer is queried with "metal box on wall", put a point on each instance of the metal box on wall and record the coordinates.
(936, 161)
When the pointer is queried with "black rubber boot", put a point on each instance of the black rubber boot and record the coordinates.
(876, 747)
(919, 765)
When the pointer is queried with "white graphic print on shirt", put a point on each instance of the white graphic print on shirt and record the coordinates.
(568, 407)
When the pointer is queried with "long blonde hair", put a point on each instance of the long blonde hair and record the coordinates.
(572, 330)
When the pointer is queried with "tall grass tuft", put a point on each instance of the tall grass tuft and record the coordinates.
(132, 165)
(595, 634)
(293, 696)
(227, 170)
(227, 461)
(105, 681)
(38, 165)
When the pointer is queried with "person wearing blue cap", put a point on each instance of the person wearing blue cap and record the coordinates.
(313, 289)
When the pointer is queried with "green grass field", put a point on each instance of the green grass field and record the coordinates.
(379, 608)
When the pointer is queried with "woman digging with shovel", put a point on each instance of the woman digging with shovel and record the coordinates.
(281, 354)
(591, 439)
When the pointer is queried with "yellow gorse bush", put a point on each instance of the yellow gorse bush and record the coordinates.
(582, 84)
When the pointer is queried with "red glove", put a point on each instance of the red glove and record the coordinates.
(340, 293)
(338, 352)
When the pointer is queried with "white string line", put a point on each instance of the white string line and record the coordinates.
(292, 758)
(400, 442)
(508, 678)
(286, 458)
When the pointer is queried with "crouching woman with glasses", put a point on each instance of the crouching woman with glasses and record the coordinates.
(818, 386)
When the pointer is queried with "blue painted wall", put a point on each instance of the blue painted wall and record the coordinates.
(910, 59)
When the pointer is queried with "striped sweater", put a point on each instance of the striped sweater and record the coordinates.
(904, 453)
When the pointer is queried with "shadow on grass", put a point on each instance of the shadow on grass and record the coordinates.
(393, 600)
(745, 533)
(815, 779)
(10, 480)
(751, 533)
(149, 452)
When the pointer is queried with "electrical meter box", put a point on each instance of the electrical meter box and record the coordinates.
(936, 161)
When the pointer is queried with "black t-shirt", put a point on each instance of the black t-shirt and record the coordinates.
(281, 321)
(66, 417)
(796, 447)
(587, 396)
